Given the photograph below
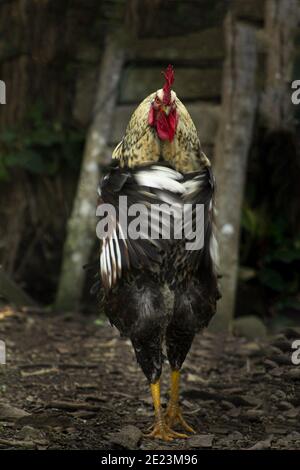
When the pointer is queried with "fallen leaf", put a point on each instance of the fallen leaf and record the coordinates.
(201, 441)
(262, 445)
(51, 370)
(8, 412)
(128, 437)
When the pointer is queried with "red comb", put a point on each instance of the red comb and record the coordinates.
(169, 80)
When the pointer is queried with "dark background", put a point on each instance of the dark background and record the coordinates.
(50, 59)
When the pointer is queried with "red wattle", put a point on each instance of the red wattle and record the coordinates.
(166, 125)
(151, 116)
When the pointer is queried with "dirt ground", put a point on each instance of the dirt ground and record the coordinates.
(70, 383)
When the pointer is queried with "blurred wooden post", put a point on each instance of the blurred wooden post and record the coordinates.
(281, 21)
(239, 101)
(81, 227)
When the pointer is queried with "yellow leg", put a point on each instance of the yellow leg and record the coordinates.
(173, 413)
(160, 429)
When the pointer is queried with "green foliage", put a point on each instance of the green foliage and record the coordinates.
(271, 278)
(270, 241)
(41, 146)
(275, 254)
(254, 221)
(274, 257)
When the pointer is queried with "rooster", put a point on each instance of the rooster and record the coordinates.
(156, 292)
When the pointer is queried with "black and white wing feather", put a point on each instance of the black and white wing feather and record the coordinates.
(200, 189)
(146, 185)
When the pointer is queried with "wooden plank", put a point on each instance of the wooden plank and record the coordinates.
(239, 104)
(190, 83)
(205, 116)
(171, 18)
(204, 45)
(281, 23)
(252, 11)
(80, 237)
(86, 84)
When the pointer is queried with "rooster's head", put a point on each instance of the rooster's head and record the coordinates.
(163, 114)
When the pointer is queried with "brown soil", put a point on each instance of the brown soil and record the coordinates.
(81, 386)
